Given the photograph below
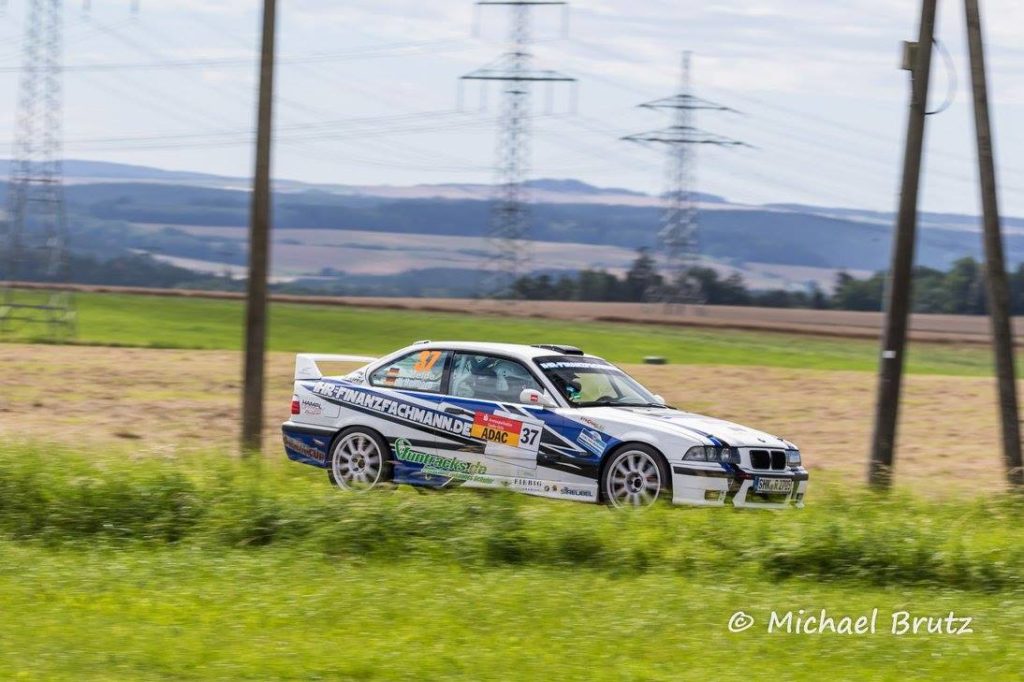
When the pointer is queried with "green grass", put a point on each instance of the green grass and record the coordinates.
(183, 613)
(121, 320)
(214, 501)
(207, 567)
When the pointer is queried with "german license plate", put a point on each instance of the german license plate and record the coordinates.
(774, 486)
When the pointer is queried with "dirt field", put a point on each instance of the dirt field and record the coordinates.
(188, 400)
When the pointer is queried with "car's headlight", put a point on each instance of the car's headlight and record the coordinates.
(698, 453)
(710, 453)
(729, 455)
(793, 458)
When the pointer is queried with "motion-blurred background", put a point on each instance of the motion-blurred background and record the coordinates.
(489, 171)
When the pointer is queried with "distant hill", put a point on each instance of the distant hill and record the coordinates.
(78, 171)
(731, 235)
(118, 208)
(106, 170)
(577, 187)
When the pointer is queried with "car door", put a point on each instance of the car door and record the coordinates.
(486, 388)
(414, 417)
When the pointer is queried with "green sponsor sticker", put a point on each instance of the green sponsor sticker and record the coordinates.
(448, 467)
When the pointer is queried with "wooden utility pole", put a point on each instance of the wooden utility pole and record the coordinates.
(259, 238)
(998, 288)
(918, 60)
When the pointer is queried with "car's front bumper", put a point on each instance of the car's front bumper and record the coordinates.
(717, 485)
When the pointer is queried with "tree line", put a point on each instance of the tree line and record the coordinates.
(959, 290)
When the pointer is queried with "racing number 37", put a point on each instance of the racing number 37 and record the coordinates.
(427, 360)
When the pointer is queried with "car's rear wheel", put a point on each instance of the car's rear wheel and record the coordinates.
(635, 476)
(360, 460)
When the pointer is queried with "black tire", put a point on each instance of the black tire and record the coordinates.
(635, 475)
(354, 472)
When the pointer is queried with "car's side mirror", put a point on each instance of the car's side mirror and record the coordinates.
(531, 396)
(659, 399)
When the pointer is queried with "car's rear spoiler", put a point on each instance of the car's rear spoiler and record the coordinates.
(306, 366)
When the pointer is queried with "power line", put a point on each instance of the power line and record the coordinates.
(304, 143)
(398, 49)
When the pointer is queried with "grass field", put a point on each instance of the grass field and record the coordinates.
(283, 614)
(134, 546)
(158, 322)
(209, 568)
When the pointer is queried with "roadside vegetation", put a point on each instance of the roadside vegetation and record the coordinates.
(208, 567)
(217, 501)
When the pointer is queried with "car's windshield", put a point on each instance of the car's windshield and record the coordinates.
(590, 382)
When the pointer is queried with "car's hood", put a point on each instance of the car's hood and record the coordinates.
(683, 423)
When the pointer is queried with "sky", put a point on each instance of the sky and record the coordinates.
(368, 93)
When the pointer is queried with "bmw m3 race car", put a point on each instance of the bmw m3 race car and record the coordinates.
(546, 420)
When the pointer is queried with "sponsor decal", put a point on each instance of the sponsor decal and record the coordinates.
(506, 430)
(426, 361)
(407, 412)
(312, 408)
(314, 451)
(592, 441)
(497, 429)
(592, 423)
(447, 467)
(417, 383)
(578, 364)
(527, 483)
(571, 491)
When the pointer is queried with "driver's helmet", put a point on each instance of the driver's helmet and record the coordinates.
(572, 389)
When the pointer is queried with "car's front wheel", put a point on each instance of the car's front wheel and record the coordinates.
(360, 460)
(635, 477)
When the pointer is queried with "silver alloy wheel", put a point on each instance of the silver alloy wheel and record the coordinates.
(633, 479)
(357, 462)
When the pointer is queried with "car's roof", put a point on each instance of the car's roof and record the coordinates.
(518, 350)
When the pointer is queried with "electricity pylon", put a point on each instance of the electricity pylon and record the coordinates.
(678, 237)
(33, 237)
(33, 234)
(508, 252)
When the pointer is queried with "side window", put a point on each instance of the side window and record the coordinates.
(488, 378)
(419, 371)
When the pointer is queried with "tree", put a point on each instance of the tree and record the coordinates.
(642, 276)
(966, 288)
(858, 294)
(598, 285)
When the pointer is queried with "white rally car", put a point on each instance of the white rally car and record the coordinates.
(547, 420)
